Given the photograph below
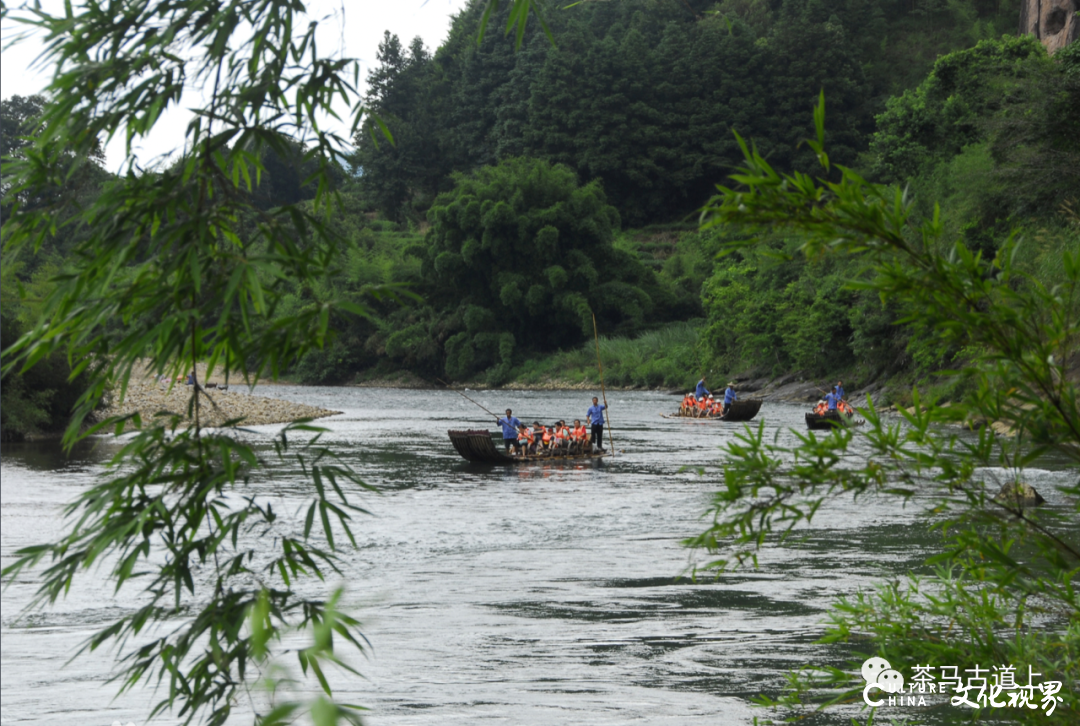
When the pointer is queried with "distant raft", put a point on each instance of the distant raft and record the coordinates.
(830, 419)
(479, 447)
(738, 411)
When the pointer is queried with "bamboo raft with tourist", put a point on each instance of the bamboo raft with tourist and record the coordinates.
(525, 443)
(832, 411)
(479, 447)
(701, 404)
(738, 411)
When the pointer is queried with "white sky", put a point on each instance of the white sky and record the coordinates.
(365, 21)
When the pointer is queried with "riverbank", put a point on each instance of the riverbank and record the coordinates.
(149, 397)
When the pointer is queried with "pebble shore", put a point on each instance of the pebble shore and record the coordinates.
(148, 397)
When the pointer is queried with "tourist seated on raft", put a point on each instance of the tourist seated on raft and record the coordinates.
(543, 436)
(578, 437)
(562, 437)
(689, 404)
(526, 441)
(702, 407)
(820, 408)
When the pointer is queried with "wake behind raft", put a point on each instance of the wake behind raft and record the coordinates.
(479, 447)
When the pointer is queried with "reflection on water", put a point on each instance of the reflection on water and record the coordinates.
(554, 593)
(50, 456)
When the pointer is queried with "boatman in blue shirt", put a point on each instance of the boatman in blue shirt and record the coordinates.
(510, 429)
(595, 415)
(840, 390)
(701, 391)
(729, 396)
(831, 399)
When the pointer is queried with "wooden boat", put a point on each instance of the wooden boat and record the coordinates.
(830, 419)
(739, 411)
(479, 447)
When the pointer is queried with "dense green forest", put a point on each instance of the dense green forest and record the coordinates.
(527, 190)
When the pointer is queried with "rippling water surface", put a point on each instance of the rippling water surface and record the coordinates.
(542, 594)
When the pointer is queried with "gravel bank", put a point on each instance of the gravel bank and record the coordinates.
(148, 397)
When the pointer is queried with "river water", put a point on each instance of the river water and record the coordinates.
(539, 594)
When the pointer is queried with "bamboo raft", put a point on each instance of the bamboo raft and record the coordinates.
(479, 447)
(739, 411)
(830, 419)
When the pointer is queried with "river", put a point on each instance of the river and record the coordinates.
(542, 594)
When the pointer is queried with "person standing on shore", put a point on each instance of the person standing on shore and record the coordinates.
(510, 424)
(595, 416)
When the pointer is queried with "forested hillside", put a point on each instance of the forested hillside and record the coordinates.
(644, 94)
(526, 190)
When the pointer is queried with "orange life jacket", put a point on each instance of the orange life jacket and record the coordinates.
(526, 437)
(703, 403)
(579, 433)
(562, 433)
(546, 438)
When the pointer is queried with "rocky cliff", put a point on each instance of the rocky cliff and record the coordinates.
(1054, 22)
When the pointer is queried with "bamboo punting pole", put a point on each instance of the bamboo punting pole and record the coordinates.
(464, 396)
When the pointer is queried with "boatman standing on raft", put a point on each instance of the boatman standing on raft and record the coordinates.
(701, 391)
(729, 396)
(510, 429)
(595, 415)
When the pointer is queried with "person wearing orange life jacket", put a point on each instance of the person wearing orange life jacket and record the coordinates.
(702, 407)
(526, 440)
(578, 436)
(562, 436)
(687, 404)
(820, 408)
(543, 436)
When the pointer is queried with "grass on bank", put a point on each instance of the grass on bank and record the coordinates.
(667, 357)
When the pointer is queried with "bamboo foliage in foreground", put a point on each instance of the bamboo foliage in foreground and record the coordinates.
(1003, 589)
(180, 266)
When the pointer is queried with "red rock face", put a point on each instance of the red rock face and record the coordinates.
(1054, 22)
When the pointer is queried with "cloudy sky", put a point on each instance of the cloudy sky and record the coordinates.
(359, 37)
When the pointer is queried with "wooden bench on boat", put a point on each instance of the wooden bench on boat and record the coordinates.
(739, 411)
(479, 447)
